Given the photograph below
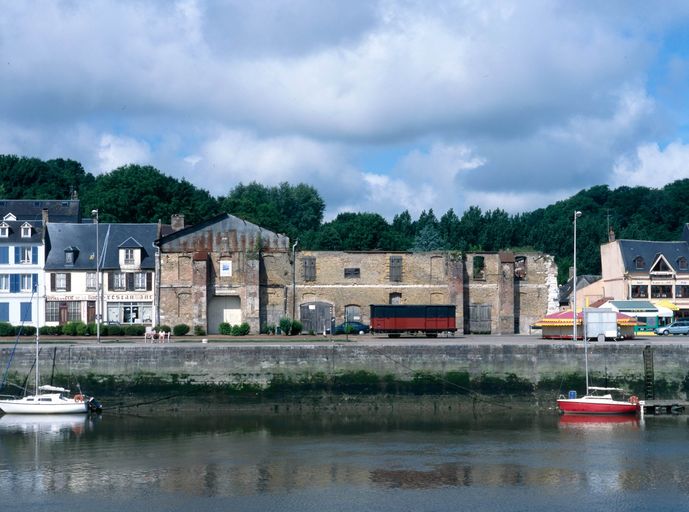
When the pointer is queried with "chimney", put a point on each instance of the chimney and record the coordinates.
(44, 216)
(611, 235)
(177, 221)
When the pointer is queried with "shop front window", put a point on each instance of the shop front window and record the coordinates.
(639, 291)
(661, 291)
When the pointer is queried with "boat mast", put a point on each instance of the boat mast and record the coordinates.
(37, 336)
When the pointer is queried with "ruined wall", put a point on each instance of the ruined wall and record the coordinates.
(426, 278)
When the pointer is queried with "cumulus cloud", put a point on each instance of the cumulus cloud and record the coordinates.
(487, 109)
(652, 166)
(115, 151)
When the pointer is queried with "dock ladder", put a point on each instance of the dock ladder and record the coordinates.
(649, 387)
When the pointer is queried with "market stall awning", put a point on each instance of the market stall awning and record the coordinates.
(564, 319)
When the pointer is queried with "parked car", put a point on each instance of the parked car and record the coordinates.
(352, 328)
(676, 327)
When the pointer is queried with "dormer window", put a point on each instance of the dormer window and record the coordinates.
(26, 230)
(639, 263)
(682, 263)
(71, 255)
(4, 230)
(130, 253)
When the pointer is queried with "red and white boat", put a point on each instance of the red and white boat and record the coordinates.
(598, 401)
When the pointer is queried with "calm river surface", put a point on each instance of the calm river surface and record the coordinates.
(349, 461)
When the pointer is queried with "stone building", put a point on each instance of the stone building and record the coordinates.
(222, 270)
(229, 270)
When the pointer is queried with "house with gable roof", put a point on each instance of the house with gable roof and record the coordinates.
(643, 270)
(22, 253)
(125, 272)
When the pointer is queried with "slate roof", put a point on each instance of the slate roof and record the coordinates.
(32, 209)
(82, 237)
(15, 232)
(565, 291)
(649, 251)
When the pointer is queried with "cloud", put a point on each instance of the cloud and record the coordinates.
(115, 151)
(652, 166)
(499, 103)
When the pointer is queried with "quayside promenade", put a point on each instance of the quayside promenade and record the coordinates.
(490, 365)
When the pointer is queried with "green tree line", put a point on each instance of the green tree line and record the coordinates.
(135, 193)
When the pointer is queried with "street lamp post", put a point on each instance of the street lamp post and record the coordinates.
(577, 214)
(94, 214)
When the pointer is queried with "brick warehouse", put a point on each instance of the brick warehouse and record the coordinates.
(227, 269)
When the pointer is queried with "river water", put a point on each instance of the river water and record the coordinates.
(358, 461)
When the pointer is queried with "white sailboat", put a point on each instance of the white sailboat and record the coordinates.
(48, 399)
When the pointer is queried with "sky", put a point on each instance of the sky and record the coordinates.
(382, 106)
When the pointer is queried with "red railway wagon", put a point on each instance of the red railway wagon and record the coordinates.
(430, 319)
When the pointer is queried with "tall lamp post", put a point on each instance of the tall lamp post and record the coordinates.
(577, 214)
(94, 214)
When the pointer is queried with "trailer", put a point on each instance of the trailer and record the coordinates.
(600, 324)
(429, 319)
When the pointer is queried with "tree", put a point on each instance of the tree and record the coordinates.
(135, 193)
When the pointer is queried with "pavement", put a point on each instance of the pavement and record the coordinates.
(365, 340)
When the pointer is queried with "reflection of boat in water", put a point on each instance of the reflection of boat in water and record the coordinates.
(598, 421)
(48, 423)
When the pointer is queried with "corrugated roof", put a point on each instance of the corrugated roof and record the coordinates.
(633, 305)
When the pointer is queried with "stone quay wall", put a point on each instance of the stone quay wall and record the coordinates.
(259, 364)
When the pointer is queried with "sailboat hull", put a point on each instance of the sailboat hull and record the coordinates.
(43, 404)
(596, 405)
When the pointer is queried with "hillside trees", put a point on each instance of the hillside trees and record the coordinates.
(292, 210)
(136, 193)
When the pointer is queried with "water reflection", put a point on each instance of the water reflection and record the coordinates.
(270, 455)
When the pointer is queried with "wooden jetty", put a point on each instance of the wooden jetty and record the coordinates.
(664, 407)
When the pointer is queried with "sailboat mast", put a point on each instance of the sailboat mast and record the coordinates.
(37, 336)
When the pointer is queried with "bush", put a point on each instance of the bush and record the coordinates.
(285, 325)
(115, 330)
(70, 328)
(134, 330)
(6, 329)
(296, 327)
(163, 328)
(82, 329)
(225, 328)
(180, 329)
(269, 329)
(91, 329)
(199, 330)
(236, 330)
(27, 330)
(244, 329)
(104, 329)
(45, 330)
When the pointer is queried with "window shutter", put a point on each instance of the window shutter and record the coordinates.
(149, 281)
(4, 255)
(68, 282)
(34, 282)
(52, 281)
(25, 312)
(111, 281)
(14, 283)
(17, 253)
(4, 311)
(130, 281)
(309, 268)
(34, 255)
(396, 268)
